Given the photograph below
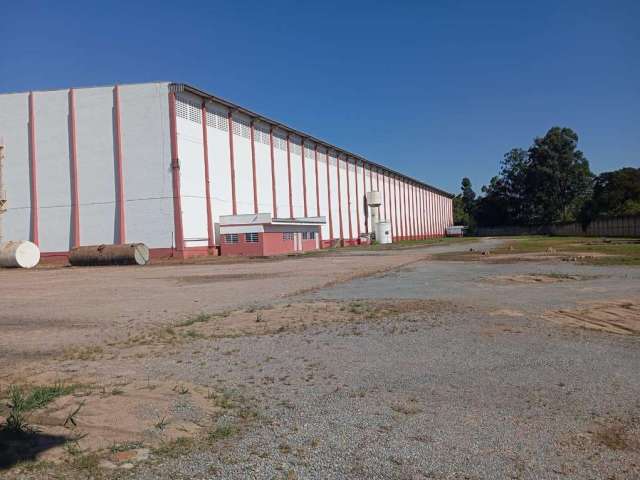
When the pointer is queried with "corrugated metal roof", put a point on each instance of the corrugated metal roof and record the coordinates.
(183, 87)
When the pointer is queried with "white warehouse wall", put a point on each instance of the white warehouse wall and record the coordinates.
(144, 120)
(14, 135)
(145, 138)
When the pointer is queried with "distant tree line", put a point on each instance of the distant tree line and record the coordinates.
(548, 183)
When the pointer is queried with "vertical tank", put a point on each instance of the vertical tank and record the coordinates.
(383, 232)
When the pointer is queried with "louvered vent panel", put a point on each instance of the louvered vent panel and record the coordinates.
(279, 141)
(308, 152)
(217, 118)
(242, 127)
(261, 134)
(189, 110)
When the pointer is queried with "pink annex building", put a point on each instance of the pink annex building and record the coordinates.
(188, 173)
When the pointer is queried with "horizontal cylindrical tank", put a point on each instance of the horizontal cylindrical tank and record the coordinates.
(19, 254)
(127, 254)
(383, 232)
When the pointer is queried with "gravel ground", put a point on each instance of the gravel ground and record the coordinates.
(466, 393)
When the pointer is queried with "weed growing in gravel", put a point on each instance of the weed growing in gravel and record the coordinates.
(93, 352)
(70, 421)
(222, 431)
(200, 318)
(181, 389)
(19, 403)
(161, 423)
(126, 446)
(16, 423)
(174, 448)
(40, 396)
(88, 463)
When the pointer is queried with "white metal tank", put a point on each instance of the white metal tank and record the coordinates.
(19, 254)
(383, 232)
(374, 199)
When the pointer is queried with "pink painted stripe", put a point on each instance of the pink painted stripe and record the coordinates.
(339, 197)
(73, 154)
(315, 156)
(253, 167)
(207, 177)
(358, 201)
(304, 177)
(232, 163)
(175, 177)
(346, 164)
(326, 156)
(289, 177)
(273, 174)
(122, 225)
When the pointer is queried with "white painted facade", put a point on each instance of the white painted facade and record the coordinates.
(258, 160)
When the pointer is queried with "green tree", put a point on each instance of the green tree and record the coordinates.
(464, 205)
(460, 215)
(468, 195)
(614, 193)
(492, 209)
(557, 178)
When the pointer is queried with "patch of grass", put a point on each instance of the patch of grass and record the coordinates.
(21, 401)
(193, 335)
(16, 423)
(93, 352)
(618, 251)
(88, 463)
(221, 432)
(125, 447)
(175, 448)
(40, 396)
(200, 318)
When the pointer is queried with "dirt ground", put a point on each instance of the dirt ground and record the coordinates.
(44, 311)
(426, 362)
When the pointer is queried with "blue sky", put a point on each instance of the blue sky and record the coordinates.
(436, 89)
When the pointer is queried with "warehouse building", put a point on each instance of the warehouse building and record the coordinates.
(188, 173)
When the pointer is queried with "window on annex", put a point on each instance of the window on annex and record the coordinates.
(251, 237)
(230, 238)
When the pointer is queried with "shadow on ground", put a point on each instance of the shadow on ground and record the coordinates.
(18, 447)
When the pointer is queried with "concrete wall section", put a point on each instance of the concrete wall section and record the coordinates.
(243, 163)
(333, 189)
(147, 164)
(14, 135)
(96, 165)
(219, 161)
(297, 186)
(323, 189)
(54, 186)
(192, 170)
(263, 167)
(281, 172)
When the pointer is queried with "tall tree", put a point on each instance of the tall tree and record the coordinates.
(557, 178)
(614, 193)
(468, 195)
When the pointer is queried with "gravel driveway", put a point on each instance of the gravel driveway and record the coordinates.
(485, 389)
